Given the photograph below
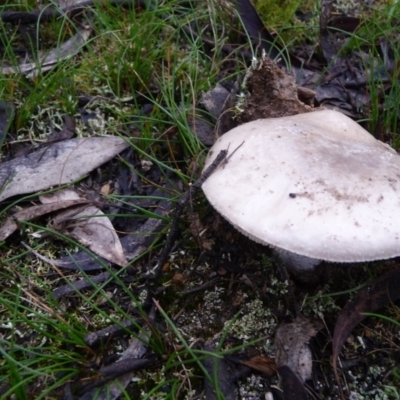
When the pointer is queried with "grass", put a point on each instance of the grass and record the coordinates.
(43, 339)
(144, 75)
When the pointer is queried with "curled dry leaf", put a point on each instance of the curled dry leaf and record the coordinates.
(133, 244)
(57, 164)
(11, 224)
(89, 226)
(292, 350)
(261, 364)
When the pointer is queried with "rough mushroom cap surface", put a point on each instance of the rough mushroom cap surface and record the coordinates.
(316, 184)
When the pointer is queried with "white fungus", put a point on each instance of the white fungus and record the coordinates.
(315, 184)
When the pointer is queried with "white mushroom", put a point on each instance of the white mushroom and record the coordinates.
(315, 184)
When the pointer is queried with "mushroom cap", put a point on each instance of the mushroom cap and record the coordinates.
(315, 184)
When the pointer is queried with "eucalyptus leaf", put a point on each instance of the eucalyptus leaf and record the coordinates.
(57, 164)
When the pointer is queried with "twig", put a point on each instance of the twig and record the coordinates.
(119, 369)
(80, 285)
(173, 232)
(94, 338)
(234, 151)
(121, 372)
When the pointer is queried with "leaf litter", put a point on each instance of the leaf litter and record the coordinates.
(292, 346)
(88, 225)
(56, 164)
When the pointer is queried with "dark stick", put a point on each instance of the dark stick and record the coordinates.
(94, 338)
(82, 284)
(173, 231)
(119, 368)
(127, 365)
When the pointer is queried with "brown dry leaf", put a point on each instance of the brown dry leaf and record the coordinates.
(178, 279)
(11, 224)
(292, 350)
(382, 292)
(56, 164)
(262, 364)
(89, 226)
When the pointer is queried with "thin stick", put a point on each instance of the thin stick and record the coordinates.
(156, 271)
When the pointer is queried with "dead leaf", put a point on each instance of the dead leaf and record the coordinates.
(81, 261)
(214, 100)
(11, 224)
(93, 339)
(292, 350)
(75, 263)
(133, 244)
(202, 128)
(263, 39)
(263, 364)
(89, 226)
(47, 60)
(127, 365)
(178, 279)
(67, 131)
(57, 164)
(292, 386)
(93, 229)
(384, 291)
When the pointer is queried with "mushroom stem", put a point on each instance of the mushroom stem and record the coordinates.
(301, 268)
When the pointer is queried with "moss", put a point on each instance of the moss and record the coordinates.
(281, 15)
